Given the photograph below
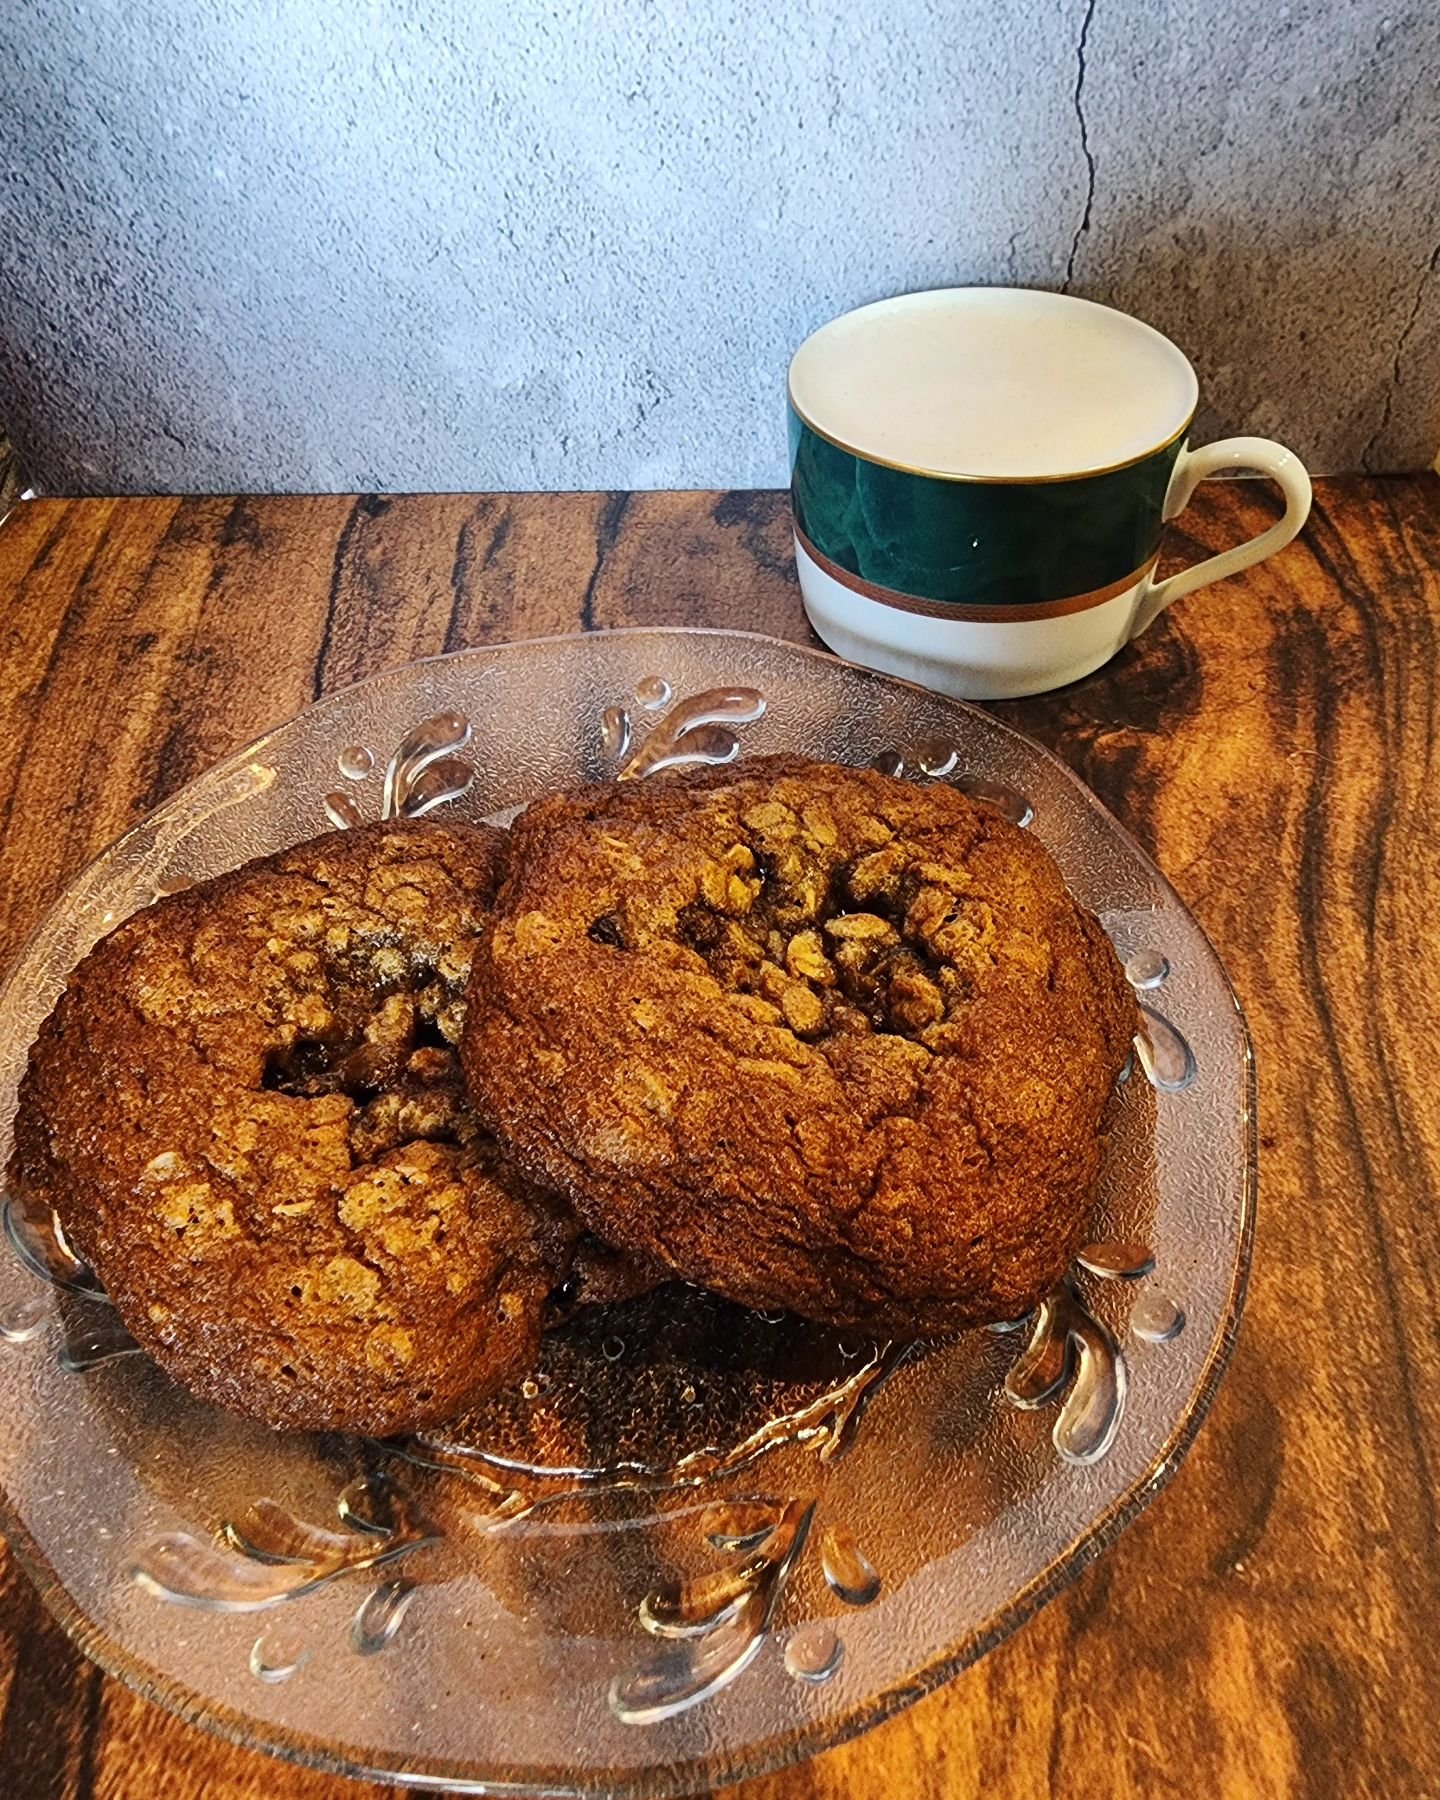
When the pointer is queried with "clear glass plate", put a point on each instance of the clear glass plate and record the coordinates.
(697, 1543)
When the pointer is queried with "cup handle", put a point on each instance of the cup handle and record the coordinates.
(1191, 468)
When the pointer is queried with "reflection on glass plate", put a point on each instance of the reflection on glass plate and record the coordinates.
(695, 1542)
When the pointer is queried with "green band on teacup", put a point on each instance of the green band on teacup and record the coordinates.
(978, 548)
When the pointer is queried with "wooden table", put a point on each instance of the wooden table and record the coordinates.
(1269, 1626)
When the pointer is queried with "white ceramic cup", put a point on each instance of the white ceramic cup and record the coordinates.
(980, 478)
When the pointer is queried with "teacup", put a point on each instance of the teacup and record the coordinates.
(980, 478)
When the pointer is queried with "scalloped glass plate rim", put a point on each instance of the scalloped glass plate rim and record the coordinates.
(721, 1766)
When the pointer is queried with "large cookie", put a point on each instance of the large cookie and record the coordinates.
(248, 1114)
(806, 1035)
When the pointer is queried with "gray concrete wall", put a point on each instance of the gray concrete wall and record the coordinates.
(324, 244)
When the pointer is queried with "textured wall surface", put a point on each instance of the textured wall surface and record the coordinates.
(322, 244)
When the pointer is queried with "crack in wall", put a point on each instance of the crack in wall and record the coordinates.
(1085, 150)
(1406, 332)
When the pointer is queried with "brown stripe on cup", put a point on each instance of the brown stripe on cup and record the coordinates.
(973, 615)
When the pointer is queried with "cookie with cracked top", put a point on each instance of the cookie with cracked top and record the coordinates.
(248, 1113)
(808, 1036)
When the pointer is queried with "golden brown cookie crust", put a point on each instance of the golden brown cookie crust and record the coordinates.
(247, 1111)
(807, 1035)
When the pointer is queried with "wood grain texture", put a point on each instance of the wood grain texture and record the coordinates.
(1267, 1628)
